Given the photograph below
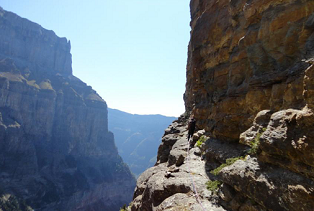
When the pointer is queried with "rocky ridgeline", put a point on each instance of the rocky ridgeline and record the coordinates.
(31, 45)
(56, 152)
(250, 86)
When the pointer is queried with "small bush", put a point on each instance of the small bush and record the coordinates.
(123, 208)
(255, 143)
(229, 162)
(213, 186)
(200, 141)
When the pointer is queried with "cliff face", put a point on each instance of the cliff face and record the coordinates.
(56, 152)
(250, 88)
(244, 57)
(29, 44)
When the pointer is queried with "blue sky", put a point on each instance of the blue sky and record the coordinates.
(132, 52)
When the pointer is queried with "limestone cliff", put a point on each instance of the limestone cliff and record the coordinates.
(29, 44)
(244, 57)
(56, 152)
(250, 86)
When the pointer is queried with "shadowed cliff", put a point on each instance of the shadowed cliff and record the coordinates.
(56, 152)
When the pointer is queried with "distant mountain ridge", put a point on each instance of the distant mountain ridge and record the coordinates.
(137, 137)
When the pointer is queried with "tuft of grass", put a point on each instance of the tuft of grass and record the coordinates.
(255, 143)
(213, 186)
(124, 208)
(200, 141)
(229, 162)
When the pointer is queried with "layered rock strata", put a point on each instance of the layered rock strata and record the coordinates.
(56, 152)
(244, 57)
(250, 87)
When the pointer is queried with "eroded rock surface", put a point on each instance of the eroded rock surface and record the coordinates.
(169, 185)
(267, 187)
(244, 57)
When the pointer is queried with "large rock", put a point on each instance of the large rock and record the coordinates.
(56, 152)
(288, 141)
(267, 187)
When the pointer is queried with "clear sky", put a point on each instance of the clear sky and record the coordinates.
(132, 52)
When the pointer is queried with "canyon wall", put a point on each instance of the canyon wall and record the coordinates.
(244, 57)
(56, 152)
(250, 88)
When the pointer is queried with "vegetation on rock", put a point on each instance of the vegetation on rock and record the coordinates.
(200, 141)
(213, 186)
(124, 208)
(254, 144)
(229, 162)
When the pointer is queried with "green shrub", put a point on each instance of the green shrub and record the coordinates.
(229, 162)
(213, 186)
(255, 143)
(200, 141)
(123, 208)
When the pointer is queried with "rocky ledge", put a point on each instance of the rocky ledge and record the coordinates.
(217, 175)
(170, 184)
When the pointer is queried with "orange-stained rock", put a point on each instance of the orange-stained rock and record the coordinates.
(247, 56)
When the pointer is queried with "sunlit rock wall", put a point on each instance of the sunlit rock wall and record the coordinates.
(246, 56)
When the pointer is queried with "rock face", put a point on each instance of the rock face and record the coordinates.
(168, 185)
(56, 152)
(28, 43)
(137, 137)
(244, 57)
(250, 88)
